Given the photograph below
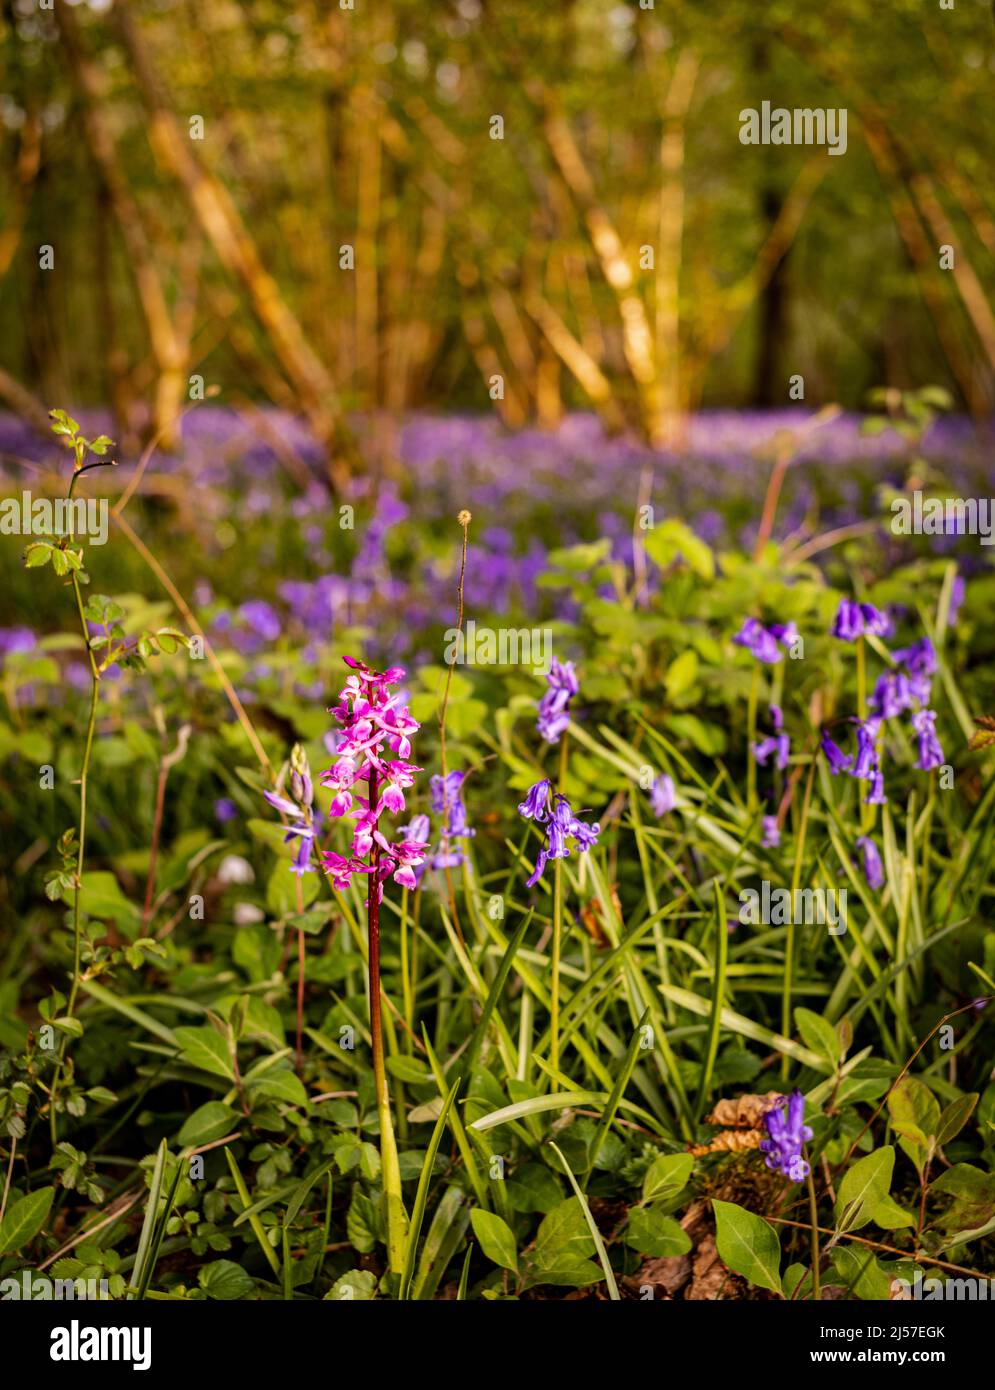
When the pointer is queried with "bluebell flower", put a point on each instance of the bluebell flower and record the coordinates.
(876, 623)
(930, 751)
(837, 759)
(956, 599)
(225, 809)
(876, 796)
(848, 624)
(759, 641)
(867, 758)
(663, 795)
(786, 1135)
(771, 836)
(554, 707)
(920, 663)
(446, 799)
(855, 620)
(536, 799)
(778, 743)
(893, 693)
(562, 825)
(870, 861)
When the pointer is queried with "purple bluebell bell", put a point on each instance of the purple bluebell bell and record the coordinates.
(930, 751)
(758, 641)
(771, 833)
(446, 798)
(225, 809)
(779, 743)
(848, 624)
(919, 658)
(837, 759)
(870, 861)
(536, 799)
(956, 599)
(867, 758)
(663, 795)
(893, 693)
(554, 707)
(786, 1136)
(855, 620)
(876, 796)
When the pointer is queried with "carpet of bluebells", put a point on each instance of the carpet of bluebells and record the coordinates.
(584, 1068)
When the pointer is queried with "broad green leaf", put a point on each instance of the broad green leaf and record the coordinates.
(24, 1219)
(748, 1245)
(954, 1118)
(206, 1049)
(225, 1280)
(890, 1216)
(862, 1272)
(207, 1123)
(652, 1233)
(278, 1085)
(355, 1286)
(666, 1176)
(495, 1238)
(863, 1187)
(818, 1034)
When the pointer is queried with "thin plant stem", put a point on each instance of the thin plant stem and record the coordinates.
(813, 1211)
(390, 1167)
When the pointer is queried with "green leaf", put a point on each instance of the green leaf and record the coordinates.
(666, 1176)
(862, 1273)
(279, 1085)
(206, 1049)
(101, 896)
(818, 1034)
(225, 1280)
(890, 1216)
(563, 1248)
(207, 1123)
(954, 1118)
(915, 1115)
(748, 1245)
(681, 674)
(863, 1188)
(25, 1219)
(356, 1285)
(37, 554)
(496, 1239)
(652, 1233)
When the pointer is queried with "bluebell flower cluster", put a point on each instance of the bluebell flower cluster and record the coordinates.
(765, 642)
(561, 825)
(777, 745)
(786, 1135)
(554, 707)
(446, 800)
